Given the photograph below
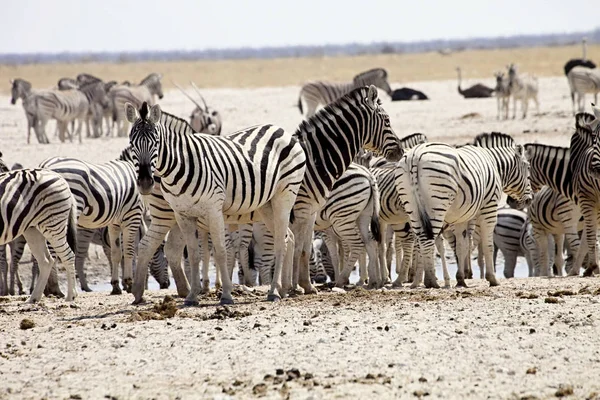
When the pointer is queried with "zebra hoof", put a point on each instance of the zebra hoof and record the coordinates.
(86, 289)
(190, 303)
(128, 284)
(273, 297)
(138, 300)
(225, 301)
(461, 284)
(116, 290)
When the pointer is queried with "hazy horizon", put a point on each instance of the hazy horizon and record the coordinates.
(37, 26)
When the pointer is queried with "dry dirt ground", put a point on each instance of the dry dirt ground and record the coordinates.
(475, 343)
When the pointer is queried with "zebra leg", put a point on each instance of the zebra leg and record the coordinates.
(3, 271)
(188, 227)
(205, 255)
(15, 278)
(244, 238)
(590, 215)
(439, 244)
(559, 260)
(302, 229)
(84, 237)
(486, 227)
(390, 248)
(35, 272)
(217, 235)
(128, 244)
(60, 246)
(404, 243)
(573, 244)
(510, 262)
(174, 248)
(114, 235)
(37, 244)
(332, 246)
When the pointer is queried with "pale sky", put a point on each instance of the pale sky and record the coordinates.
(49, 26)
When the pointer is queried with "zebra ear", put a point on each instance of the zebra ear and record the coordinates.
(155, 112)
(372, 96)
(520, 150)
(528, 153)
(131, 112)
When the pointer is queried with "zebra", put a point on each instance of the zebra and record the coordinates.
(583, 80)
(522, 88)
(38, 205)
(440, 185)
(259, 169)
(149, 87)
(62, 105)
(203, 119)
(551, 213)
(96, 95)
(83, 79)
(502, 93)
(508, 238)
(21, 89)
(332, 138)
(322, 93)
(106, 195)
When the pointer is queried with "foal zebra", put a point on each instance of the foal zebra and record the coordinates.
(440, 185)
(322, 93)
(149, 87)
(38, 204)
(106, 196)
(210, 179)
(331, 139)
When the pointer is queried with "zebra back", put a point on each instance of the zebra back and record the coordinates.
(152, 82)
(413, 140)
(67, 83)
(87, 78)
(375, 76)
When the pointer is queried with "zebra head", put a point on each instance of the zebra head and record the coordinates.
(20, 90)
(152, 82)
(143, 140)
(375, 76)
(380, 137)
(518, 187)
(591, 124)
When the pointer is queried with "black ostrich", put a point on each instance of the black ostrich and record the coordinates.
(579, 62)
(405, 93)
(474, 92)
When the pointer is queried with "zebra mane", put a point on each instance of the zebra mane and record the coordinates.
(413, 140)
(125, 154)
(166, 117)
(543, 146)
(380, 71)
(356, 96)
(494, 139)
(3, 166)
(21, 82)
(583, 121)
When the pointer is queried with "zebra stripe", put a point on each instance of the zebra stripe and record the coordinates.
(38, 204)
(583, 80)
(21, 89)
(258, 169)
(62, 105)
(106, 195)
(331, 139)
(67, 84)
(508, 234)
(149, 87)
(324, 93)
(441, 185)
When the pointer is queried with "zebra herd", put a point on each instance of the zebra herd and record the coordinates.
(262, 190)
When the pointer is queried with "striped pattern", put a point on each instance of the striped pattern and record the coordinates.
(21, 89)
(440, 185)
(255, 170)
(323, 93)
(38, 204)
(582, 81)
(106, 196)
(507, 239)
(522, 88)
(62, 105)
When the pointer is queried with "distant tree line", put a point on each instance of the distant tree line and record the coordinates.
(556, 39)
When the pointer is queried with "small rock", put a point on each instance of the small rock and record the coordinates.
(564, 390)
(420, 393)
(370, 376)
(551, 300)
(338, 290)
(308, 376)
(422, 379)
(531, 330)
(279, 371)
(131, 335)
(268, 377)
(531, 371)
(307, 323)
(292, 374)
(260, 389)
(75, 397)
(26, 323)
(387, 380)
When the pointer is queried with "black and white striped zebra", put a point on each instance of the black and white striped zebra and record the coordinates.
(508, 236)
(21, 89)
(210, 179)
(106, 196)
(322, 93)
(67, 84)
(149, 87)
(64, 106)
(332, 138)
(204, 119)
(38, 205)
(441, 185)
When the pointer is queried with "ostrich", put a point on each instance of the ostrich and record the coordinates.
(408, 94)
(476, 91)
(580, 62)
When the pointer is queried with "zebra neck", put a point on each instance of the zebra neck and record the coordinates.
(175, 147)
(552, 167)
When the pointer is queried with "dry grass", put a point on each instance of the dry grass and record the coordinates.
(543, 61)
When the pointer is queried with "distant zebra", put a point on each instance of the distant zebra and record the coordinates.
(258, 169)
(21, 89)
(62, 105)
(502, 93)
(583, 80)
(203, 119)
(522, 88)
(322, 93)
(332, 138)
(149, 87)
(441, 185)
(106, 196)
(67, 84)
(38, 204)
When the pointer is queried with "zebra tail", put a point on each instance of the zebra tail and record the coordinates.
(251, 255)
(300, 104)
(292, 216)
(376, 228)
(423, 215)
(114, 109)
(72, 227)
